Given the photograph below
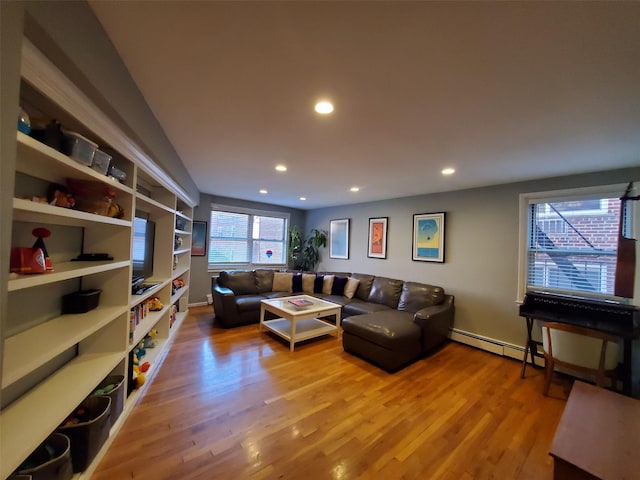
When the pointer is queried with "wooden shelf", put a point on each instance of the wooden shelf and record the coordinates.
(144, 200)
(22, 427)
(52, 362)
(179, 293)
(62, 271)
(28, 211)
(146, 324)
(178, 272)
(28, 350)
(54, 166)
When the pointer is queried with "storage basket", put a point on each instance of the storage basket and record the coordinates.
(88, 437)
(50, 461)
(81, 301)
(116, 395)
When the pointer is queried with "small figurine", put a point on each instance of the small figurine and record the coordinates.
(41, 233)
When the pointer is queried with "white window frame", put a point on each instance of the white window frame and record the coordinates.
(562, 196)
(216, 267)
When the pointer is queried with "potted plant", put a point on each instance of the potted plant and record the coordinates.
(304, 253)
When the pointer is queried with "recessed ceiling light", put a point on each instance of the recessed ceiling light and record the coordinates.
(263, 191)
(448, 171)
(281, 168)
(303, 198)
(324, 107)
(355, 189)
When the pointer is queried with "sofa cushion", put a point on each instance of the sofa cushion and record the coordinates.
(359, 307)
(385, 291)
(390, 329)
(264, 280)
(339, 299)
(282, 281)
(327, 284)
(296, 283)
(416, 296)
(248, 303)
(240, 283)
(365, 285)
(308, 280)
(350, 287)
(277, 294)
(317, 284)
(338, 285)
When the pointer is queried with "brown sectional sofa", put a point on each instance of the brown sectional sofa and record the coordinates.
(386, 321)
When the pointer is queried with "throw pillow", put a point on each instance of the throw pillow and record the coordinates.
(317, 284)
(296, 284)
(327, 284)
(338, 285)
(282, 281)
(351, 287)
(308, 280)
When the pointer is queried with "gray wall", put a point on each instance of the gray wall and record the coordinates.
(481, 250)
(69, 34)
(200, 282)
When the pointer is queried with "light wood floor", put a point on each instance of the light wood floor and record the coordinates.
(235, 404)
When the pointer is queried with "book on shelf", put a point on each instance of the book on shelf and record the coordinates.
(300, 302)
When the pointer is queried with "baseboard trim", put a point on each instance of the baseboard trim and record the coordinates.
(198, 304)
(490, 345)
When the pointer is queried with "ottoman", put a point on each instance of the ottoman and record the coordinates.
(389, 339)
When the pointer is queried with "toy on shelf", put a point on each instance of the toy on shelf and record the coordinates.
(140, 351)
(40, 233)
(155, 305)
(139, 378)
(59, 196)
(149, 340)
(81, 415)
(34, 259)
(27, 260)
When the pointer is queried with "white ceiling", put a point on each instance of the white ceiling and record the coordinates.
(500, 91)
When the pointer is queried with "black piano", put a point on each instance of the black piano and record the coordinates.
(608, 316)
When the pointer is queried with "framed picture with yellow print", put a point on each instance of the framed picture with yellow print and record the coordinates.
(428, 237)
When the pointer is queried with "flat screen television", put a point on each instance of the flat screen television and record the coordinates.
(144, 232)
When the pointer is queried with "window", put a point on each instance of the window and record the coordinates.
(242, 238)
(570, 241)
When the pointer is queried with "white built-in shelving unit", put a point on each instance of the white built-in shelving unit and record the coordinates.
(51, 361)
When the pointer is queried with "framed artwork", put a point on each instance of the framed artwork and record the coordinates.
(377, 237)
(199, 239)
(428, 237)
(339, 238)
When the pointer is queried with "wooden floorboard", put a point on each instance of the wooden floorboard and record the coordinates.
(236, 404)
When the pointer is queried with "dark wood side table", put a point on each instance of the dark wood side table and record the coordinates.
(598, 436)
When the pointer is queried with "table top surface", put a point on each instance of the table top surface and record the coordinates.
(317, 305)
(599, 432)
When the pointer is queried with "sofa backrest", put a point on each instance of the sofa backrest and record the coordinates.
(264, 280)
(416, 296)
(239, 282)
(364, 287)
(385, 291)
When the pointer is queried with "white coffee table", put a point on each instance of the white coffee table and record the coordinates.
(299, 323)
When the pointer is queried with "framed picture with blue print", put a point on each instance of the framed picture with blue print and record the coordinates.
(428, 237)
